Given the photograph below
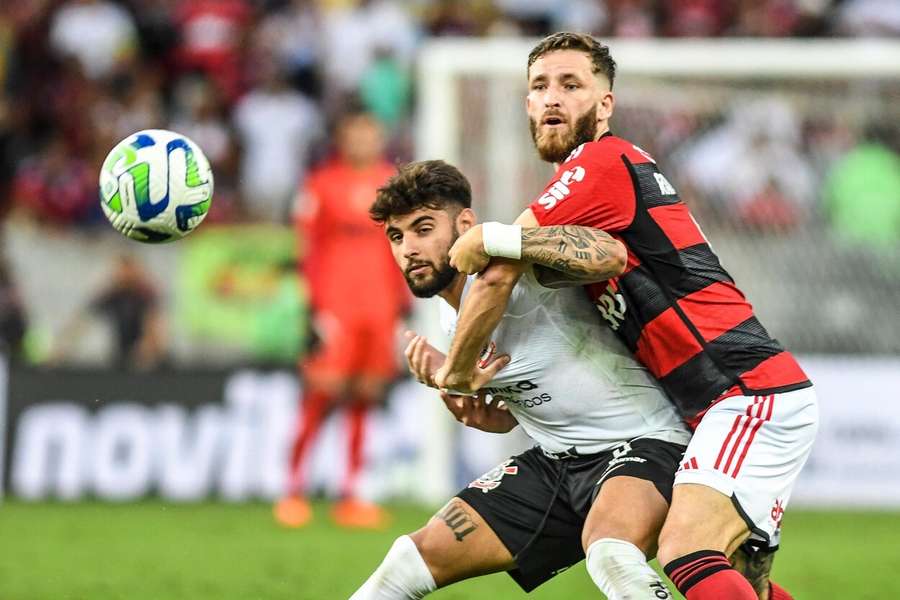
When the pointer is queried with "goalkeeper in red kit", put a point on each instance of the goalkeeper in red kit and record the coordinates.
(752, 408)
(357, 301)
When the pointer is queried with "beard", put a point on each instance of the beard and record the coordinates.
(442, 275)
(555, 146)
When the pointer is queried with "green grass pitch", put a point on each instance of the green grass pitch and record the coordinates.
(158, 551)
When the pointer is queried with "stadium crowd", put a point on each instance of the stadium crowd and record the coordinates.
(255, 82)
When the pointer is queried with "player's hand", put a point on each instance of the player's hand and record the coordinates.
(422, 358)
(467, 254)
(469, 383)
(474, 411)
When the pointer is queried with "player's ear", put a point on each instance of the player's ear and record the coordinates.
(465, 220)
(605, 106)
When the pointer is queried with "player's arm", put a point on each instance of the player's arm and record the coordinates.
(562, 255)
(474, 411)
(479, 314)
(568, 255)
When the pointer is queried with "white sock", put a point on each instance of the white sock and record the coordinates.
(621, 571)
(402, 575)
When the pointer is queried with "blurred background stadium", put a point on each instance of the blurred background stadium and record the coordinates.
(110, 463)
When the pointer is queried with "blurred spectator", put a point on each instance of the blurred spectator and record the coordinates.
(753, 165)
(213, 34)
(353, 34)
(346, 256)
(457, 17)
(56, 186)
(766, 18)
(862, 192)
(695, 18)
(632, 18)
(585, 16)
(531, 17)
(385, 89)
(13, 319)
(130, 304)
(101, 35)
(293, 35)
(278, 128)
(869, 17)
(130, 103)
(200, 114)
(7, 41)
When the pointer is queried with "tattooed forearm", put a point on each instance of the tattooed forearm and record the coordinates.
(572, 254)
(755, 565)
(457, 519)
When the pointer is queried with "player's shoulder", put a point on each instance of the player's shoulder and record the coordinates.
(327, 173)
(609, 151)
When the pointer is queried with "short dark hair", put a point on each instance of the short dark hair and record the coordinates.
(601, 61)
(425, 184)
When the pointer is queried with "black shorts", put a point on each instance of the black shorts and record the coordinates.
(537, 505)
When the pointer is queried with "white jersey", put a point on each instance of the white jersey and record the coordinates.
(570, 382)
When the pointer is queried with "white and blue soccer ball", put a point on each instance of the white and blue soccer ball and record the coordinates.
(155, 186)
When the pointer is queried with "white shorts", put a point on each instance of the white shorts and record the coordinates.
(751, 448)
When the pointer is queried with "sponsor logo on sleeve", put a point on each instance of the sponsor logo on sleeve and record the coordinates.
(561, 188)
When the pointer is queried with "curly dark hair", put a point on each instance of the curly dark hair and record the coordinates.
(425, 184)
(601, 61)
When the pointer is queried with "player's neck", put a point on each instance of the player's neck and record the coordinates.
(452, 294)
(360, 165)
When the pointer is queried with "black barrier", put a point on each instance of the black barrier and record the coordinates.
(117, 435)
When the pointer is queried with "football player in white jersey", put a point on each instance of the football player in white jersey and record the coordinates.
(599, 480)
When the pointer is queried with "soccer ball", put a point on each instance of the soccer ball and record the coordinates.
(155, 186)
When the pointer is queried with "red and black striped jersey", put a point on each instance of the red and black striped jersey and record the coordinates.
(675, 306)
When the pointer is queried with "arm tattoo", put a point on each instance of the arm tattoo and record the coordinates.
(570, 254)
(755, 565)
(457, 518)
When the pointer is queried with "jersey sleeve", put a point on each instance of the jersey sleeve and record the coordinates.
(593, 188)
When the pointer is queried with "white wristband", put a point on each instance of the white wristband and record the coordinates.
(502, 240)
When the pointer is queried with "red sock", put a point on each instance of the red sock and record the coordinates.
(313, 409)
(707, 575)
(356, 432)
(776, 592)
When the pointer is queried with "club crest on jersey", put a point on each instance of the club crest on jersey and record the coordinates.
(777, 512)
(493, 478)
(487, 354)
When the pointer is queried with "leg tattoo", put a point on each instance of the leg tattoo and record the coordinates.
(755, 565)
(457, 519)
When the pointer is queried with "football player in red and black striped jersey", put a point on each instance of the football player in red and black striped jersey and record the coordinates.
(673, 304)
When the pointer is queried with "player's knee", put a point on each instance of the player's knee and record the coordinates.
(432, 552)
(402, 574)
(620, 570)
(368, 389)
(643, 535)
(328, 384)
(674, 542)
(606, 554)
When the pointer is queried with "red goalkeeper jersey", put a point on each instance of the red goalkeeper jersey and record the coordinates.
(347, 260)
(675, 306)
